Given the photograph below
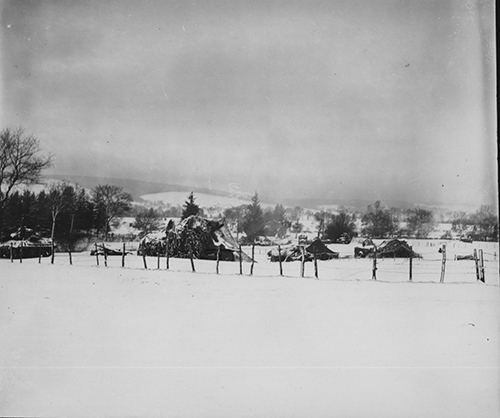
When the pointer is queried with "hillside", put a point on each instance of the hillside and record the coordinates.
(135, 187)
(175, 194)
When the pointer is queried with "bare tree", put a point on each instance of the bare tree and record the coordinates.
(57, 203)
(21, 161)
(378, 222)
(234, 216)
(420, 222)
(147, 221)
(111, 202)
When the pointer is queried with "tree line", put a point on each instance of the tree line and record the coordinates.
(377, 221)
(64, 212)
(68, 212)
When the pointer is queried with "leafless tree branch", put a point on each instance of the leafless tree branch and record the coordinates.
(21, 161)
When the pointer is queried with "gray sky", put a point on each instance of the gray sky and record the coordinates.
(356, 99)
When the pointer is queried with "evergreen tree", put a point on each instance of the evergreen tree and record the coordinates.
(84, 211)
(42, 214)
(253, 221)
(12, 216)
(190, 208)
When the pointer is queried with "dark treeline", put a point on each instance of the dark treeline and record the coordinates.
(83, 214)
(479, 226)
(69, 211)
(34, 211)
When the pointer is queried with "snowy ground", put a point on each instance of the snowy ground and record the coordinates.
(84, 340)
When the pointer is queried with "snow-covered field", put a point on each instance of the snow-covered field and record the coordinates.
(84, 340)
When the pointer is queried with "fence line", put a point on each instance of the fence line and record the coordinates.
(338, 269)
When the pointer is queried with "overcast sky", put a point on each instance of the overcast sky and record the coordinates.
(356, 99)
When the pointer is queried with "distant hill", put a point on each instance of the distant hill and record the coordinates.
(353, 204)
(136, 188)
(140, 189)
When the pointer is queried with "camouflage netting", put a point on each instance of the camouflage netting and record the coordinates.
(396, 248)
(294, 253)
(194, 235)
(393, 248)
(321, 250)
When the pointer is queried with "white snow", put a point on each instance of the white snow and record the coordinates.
(84, 340)
(124, 226)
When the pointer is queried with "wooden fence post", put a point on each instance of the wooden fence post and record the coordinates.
(279, 259)
(96, 253)
(302, 261)
(481, 265)
(11, 252)
(315, 264)
(218, 259)
(123, 255)
(21, 252)
(39, 253)
(476, 262)
(105, 255)
(168, 254)
(144, 259)
(158, 260)
(411, 268)
(443, 263)
(374, 267)
(253, 259)
(241, 261)
(69, 239)
(192, 261)
(52, 255)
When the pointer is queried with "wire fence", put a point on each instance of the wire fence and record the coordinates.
(343, 269)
